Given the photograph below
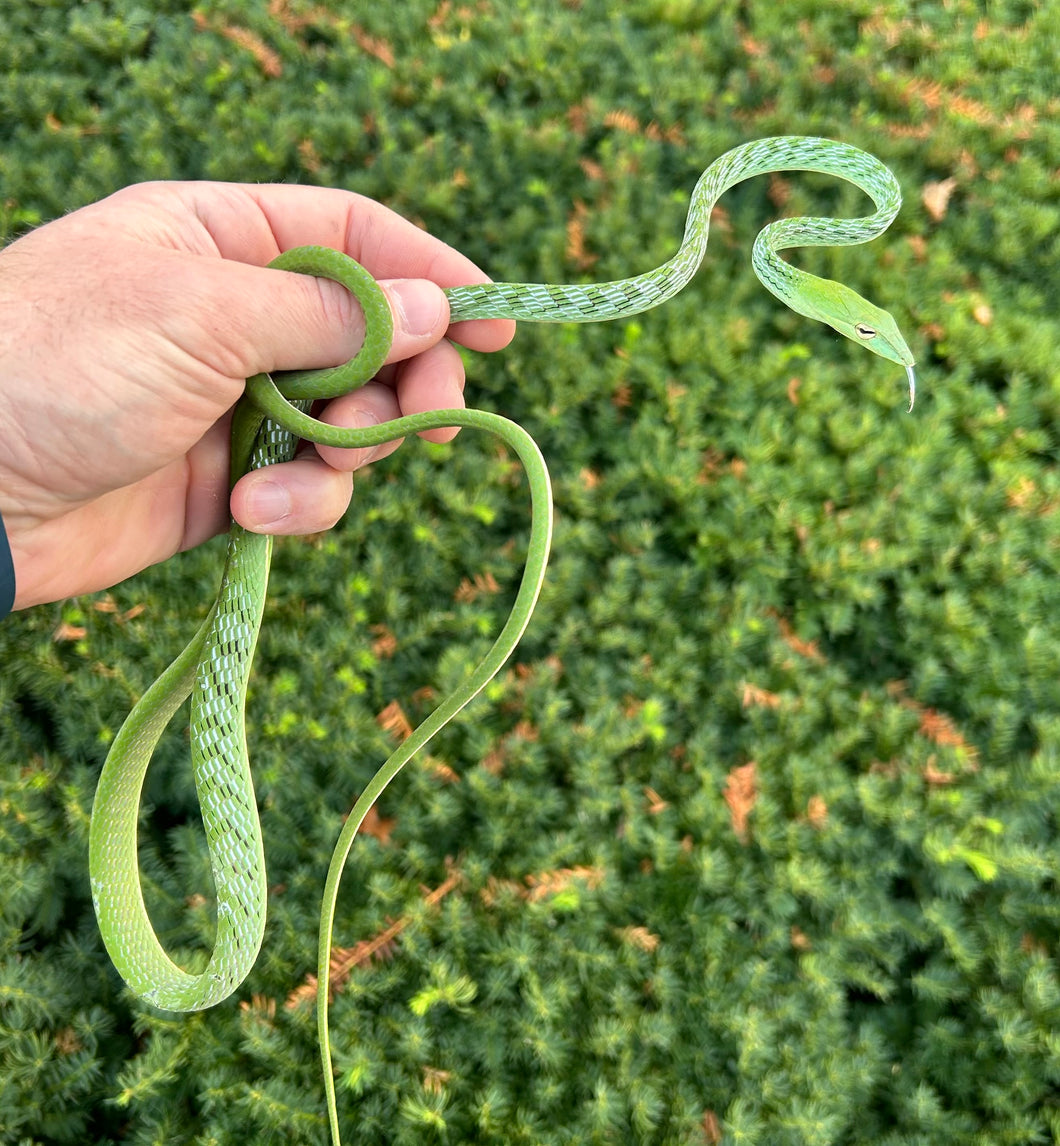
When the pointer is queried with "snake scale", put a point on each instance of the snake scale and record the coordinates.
(268, 423)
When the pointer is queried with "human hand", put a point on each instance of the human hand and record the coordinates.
(127, 329)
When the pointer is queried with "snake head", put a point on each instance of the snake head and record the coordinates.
(859, 320)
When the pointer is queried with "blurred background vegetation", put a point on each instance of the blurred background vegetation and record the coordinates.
(756, 840)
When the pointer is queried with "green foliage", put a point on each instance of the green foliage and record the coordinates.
(760, 559)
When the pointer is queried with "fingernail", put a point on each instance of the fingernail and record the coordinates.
(362, 419)
(270, 503)
(420, 306)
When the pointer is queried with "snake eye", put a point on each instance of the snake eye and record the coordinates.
(863, 331)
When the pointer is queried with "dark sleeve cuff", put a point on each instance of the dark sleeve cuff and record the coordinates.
(7, 574)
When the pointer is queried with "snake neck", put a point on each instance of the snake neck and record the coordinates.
(801, 153)
(544, 302)
(798, 153)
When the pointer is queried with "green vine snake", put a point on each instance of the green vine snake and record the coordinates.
(267, 425)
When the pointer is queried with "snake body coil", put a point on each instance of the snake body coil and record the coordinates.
(269, 421)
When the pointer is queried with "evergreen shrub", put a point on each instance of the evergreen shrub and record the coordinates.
(756, 839)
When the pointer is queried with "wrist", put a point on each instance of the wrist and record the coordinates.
(7, 574)
(18, 572)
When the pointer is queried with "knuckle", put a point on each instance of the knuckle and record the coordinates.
(340, 310)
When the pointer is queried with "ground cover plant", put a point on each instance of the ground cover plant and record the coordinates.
(755, 841)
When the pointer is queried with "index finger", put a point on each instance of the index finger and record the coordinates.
(253, 223)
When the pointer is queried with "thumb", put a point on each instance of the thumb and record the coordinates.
(302, 322)
(421, 315)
